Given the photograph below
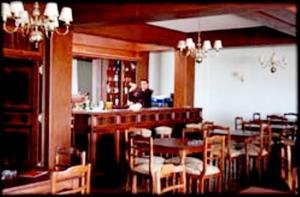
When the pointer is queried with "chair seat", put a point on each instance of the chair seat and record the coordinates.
(144, 132)
(176, 160)
(156, 160)
(233, 152)
(144, 168)
(193, 125)
(253, 150)
(197, 168)
(163, 130)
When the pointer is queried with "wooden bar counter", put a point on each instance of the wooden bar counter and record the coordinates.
(94, 123)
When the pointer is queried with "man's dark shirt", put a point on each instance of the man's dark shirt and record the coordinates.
(143, 97)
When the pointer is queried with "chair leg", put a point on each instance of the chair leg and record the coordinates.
(127, 186)
(258, 166)
(201, 185)
(134, 184)
(247, 167)
(229, 169)
(190, 184)
(219, 183)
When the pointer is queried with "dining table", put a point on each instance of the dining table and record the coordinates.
(177, 146)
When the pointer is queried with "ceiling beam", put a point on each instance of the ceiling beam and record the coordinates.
(283, 20)
(109, 13)
(246, 37)
(141, 33)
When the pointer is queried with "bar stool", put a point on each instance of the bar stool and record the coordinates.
(163, 131)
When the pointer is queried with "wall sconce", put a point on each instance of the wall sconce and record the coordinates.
(239, 76)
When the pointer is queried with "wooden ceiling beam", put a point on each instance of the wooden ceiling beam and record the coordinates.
(108, 13)
(280, 20)
(246, 37)
(141, 33)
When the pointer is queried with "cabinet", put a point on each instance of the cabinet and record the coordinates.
(20, 102)
(119, 74)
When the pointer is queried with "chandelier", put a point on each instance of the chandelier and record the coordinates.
(37, 25)
(198, 51)
(274, 62)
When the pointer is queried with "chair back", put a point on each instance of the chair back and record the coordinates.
(252, 125)
(73, 180)
(140, 147)
(277, 119)
(193, 133)
(68, 156)
(266, 137)
(227, 136)
(291, 116)
(238, 123)
(213, 152)
(256, 116)
(178, 184)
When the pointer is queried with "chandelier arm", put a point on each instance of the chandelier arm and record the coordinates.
(63, 33)
(10, 32)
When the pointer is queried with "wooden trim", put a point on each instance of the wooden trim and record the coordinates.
(19, 53)
(105, 53)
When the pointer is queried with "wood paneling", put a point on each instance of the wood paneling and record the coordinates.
(60, 94)
(142, 68)
(184, 80)
(86, 45)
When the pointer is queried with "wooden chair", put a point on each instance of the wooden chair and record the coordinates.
(278, 120)
(68, 156)
(142, 147)
(238, 123)
(145, 133)
(256, 116)
(288, 170)
(177, 172)
(73, 180)
(163, 131)
(231, 153)
(211, 166)
(190, 133)
(259, 148)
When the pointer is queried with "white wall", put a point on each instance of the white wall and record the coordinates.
(223, 96)
(161, 72)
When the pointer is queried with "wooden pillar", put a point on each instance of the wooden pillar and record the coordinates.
(184, 80)
(142, 68)
(60, 108)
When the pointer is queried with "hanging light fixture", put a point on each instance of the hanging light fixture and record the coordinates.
(274, 62)
(37, 25)
(199, 50)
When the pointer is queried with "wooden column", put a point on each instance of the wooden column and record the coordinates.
(142, 71)
(184, 80)
(60, 108)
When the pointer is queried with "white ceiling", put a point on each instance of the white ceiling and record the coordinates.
(207, 23)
